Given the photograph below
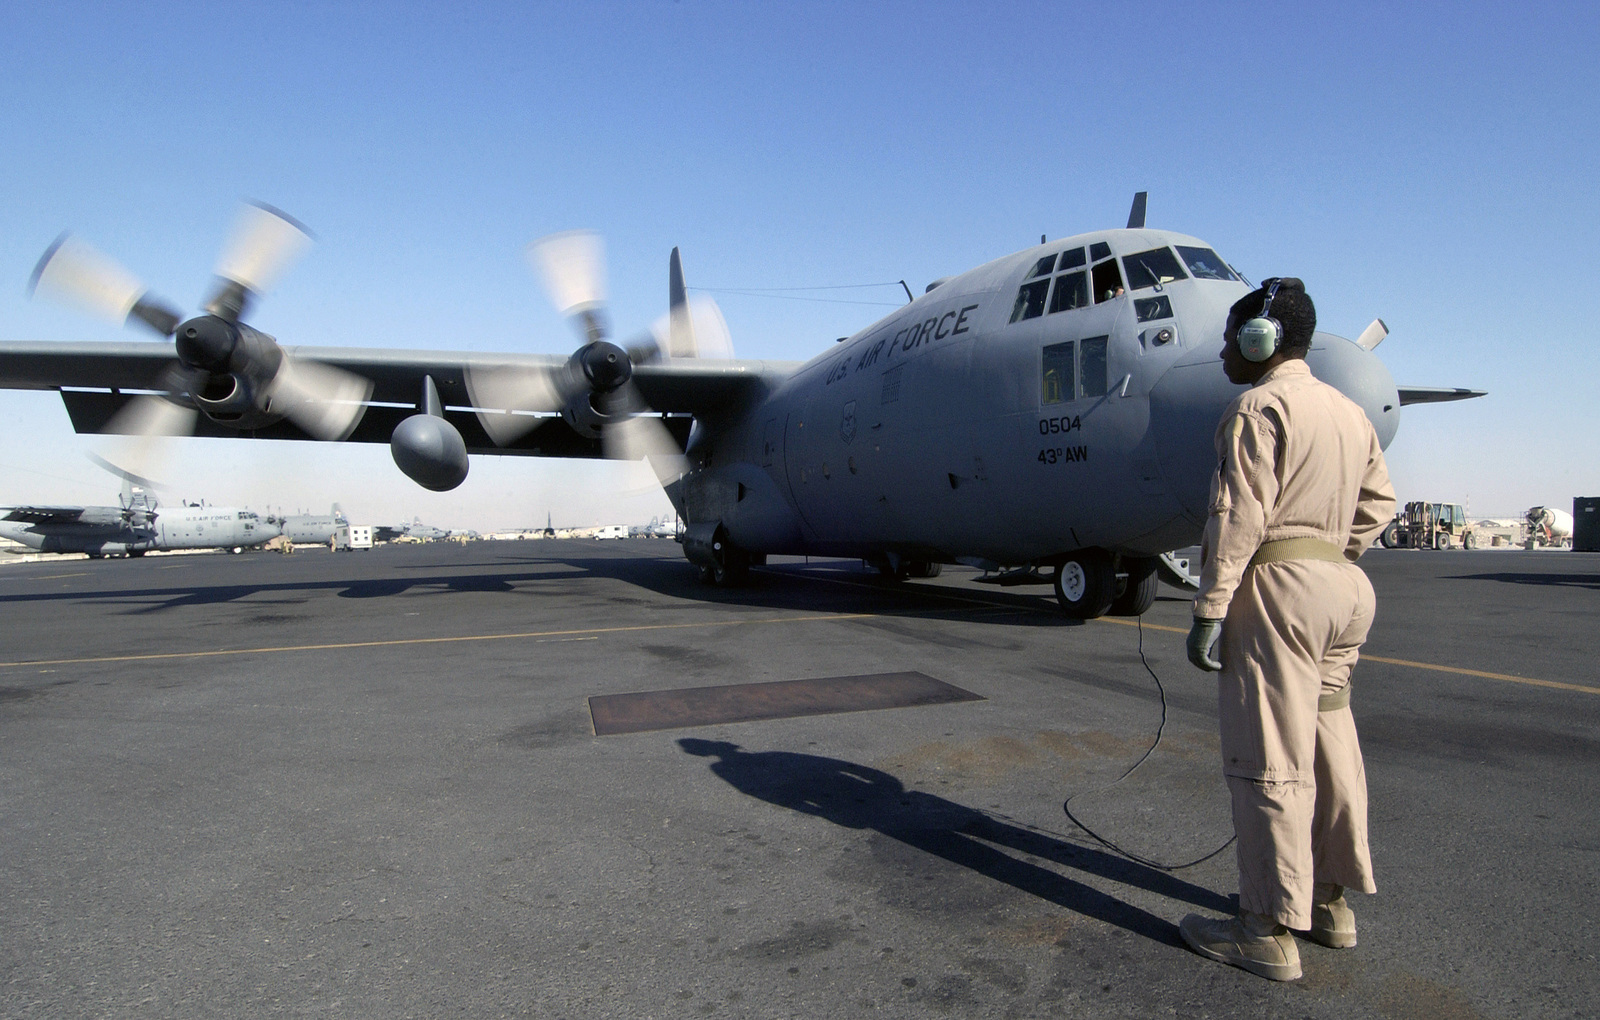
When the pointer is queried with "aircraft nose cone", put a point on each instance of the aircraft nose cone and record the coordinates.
(1189, 399)
(1360, 375)
(1185, 405)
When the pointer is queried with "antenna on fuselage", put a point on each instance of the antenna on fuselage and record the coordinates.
(1136, 214)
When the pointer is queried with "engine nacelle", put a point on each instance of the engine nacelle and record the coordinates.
(235, 366)
(598, 371)
(430, 451)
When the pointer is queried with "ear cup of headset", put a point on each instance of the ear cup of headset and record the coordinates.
(1258, 338)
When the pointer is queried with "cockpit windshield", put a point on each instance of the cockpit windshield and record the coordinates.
(1152, 268)
(1206, 264)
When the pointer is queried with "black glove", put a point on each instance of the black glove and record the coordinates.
(1203, 638)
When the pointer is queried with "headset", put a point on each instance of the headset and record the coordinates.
(1259, 338)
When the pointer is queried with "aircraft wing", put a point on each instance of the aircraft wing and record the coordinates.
(93, 378)
(98, 515)
(1435, 394)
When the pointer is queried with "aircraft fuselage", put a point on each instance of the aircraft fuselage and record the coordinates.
(1058, 399)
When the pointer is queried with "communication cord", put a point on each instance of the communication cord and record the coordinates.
(1160, 730)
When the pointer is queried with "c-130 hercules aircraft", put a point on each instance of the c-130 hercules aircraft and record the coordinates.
(1048, 414)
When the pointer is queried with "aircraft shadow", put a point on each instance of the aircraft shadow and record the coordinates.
(177, 595)
(857, 797)
(821, 586)
(1559, 580)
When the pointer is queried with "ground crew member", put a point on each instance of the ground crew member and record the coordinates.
(1301, 491)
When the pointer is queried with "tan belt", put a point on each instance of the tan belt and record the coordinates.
(1297, 549)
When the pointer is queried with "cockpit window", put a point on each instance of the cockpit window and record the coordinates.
(1206, 264)
(1092, 366)
(1152, 268)
(1072, 291)
(1099, 250)
(1060, 374)
(1030, 300)
(1107, 281)
(1152, 308)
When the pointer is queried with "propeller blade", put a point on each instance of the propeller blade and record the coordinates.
(124, 473)
(508, 397)
(572, 267)
(694, 329)
(645, 437)
(151, 415)
(1373, 335)
(76, 274)
(325, 401)
(265, 243)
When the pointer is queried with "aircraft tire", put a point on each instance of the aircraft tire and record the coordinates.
(923, 568)
(731, 569)
(1138, 592)
(1086, 584)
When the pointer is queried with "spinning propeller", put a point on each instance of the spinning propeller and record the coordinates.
(236, 374)
(594, 389)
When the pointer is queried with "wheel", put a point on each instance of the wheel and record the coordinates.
(922, 568)
(1441, 540)
(886, 567)
(1391, 537)
(1137, 592)
(1086, 584)
(732, 568)
(707, 575)
(1469, 540)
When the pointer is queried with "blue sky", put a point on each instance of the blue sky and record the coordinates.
(1432, 164)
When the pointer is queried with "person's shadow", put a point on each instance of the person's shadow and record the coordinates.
(862, 798)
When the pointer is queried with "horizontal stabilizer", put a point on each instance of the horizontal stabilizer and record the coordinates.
(1436, 394)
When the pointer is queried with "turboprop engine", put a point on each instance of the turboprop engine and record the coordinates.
(234, 374)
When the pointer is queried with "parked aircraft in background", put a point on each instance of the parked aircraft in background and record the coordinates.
(1050, 412)
(416, 531)
(139, 525)
(311, 528)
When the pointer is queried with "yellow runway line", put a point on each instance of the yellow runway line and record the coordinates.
(396, 642)
(1531, 681)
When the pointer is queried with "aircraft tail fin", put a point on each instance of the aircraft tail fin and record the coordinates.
(1136, 214)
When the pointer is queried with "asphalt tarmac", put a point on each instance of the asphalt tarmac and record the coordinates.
(367, 785)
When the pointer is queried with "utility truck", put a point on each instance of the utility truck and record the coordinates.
(1423, 525)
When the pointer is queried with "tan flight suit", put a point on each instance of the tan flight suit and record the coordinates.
(1301, 489)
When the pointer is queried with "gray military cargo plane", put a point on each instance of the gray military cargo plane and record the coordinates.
(311, 528)
(139, 525)
(1047, 416)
